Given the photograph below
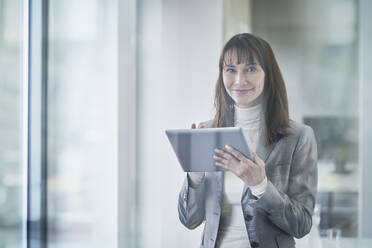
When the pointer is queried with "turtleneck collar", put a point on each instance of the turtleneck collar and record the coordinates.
(248, 115)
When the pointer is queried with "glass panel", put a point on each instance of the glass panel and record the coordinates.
(318, 58)
(11, 184)
(82, 124)
(177, 66)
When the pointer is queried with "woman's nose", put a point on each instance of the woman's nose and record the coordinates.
(241, 78)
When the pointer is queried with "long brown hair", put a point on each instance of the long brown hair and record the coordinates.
(275, 102)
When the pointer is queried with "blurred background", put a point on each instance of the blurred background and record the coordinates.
(88, 87)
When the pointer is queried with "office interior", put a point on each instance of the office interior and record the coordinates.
(88, 87)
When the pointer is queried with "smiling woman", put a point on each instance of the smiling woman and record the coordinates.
(253, 204)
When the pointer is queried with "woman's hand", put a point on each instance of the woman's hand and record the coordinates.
(252, 173)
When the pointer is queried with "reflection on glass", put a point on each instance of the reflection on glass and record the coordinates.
(11, 31)
(318, 57)
(316, 47)
(82, 124)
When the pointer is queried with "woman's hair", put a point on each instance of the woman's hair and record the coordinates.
(275, 104)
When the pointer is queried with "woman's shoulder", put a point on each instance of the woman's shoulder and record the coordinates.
(297, 129)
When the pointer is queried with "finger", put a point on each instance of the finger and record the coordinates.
(258, 159)
(228, 156)
(201, 126)
(253, 156)
(221, 160)
(224, 154)
(193, 126)
(222, 165)
(219, 151)
(236, 153)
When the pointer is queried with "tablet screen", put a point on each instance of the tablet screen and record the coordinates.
(194, 148)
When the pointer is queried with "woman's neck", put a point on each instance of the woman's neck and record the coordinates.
(248, 114)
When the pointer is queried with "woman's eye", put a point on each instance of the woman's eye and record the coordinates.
(230, 70)
(251, 69)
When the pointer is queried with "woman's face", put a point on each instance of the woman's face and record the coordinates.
(244, 82)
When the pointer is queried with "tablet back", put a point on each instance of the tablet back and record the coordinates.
(194, 148)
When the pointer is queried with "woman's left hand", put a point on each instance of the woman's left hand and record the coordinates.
(251, 172)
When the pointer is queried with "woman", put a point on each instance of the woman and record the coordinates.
(267, 201)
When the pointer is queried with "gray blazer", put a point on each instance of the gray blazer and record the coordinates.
(285, 209)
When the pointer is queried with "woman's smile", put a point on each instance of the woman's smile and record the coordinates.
(241, 91)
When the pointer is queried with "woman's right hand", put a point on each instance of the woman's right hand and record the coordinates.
(196, 177)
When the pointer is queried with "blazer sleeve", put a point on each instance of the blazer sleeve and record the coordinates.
(191, 203)
(292, 212)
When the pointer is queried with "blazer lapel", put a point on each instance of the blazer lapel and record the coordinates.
(262, 150)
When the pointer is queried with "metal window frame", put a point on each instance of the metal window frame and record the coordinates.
(35, 109)
(365, 118)
(24, 110)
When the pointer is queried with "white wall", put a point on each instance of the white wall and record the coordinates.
(178, 50)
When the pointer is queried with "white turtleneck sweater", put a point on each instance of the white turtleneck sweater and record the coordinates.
(251, 120)
(232, 231)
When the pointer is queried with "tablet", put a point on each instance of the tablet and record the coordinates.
(194, 148)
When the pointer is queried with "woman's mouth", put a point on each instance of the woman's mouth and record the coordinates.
(242, 91)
